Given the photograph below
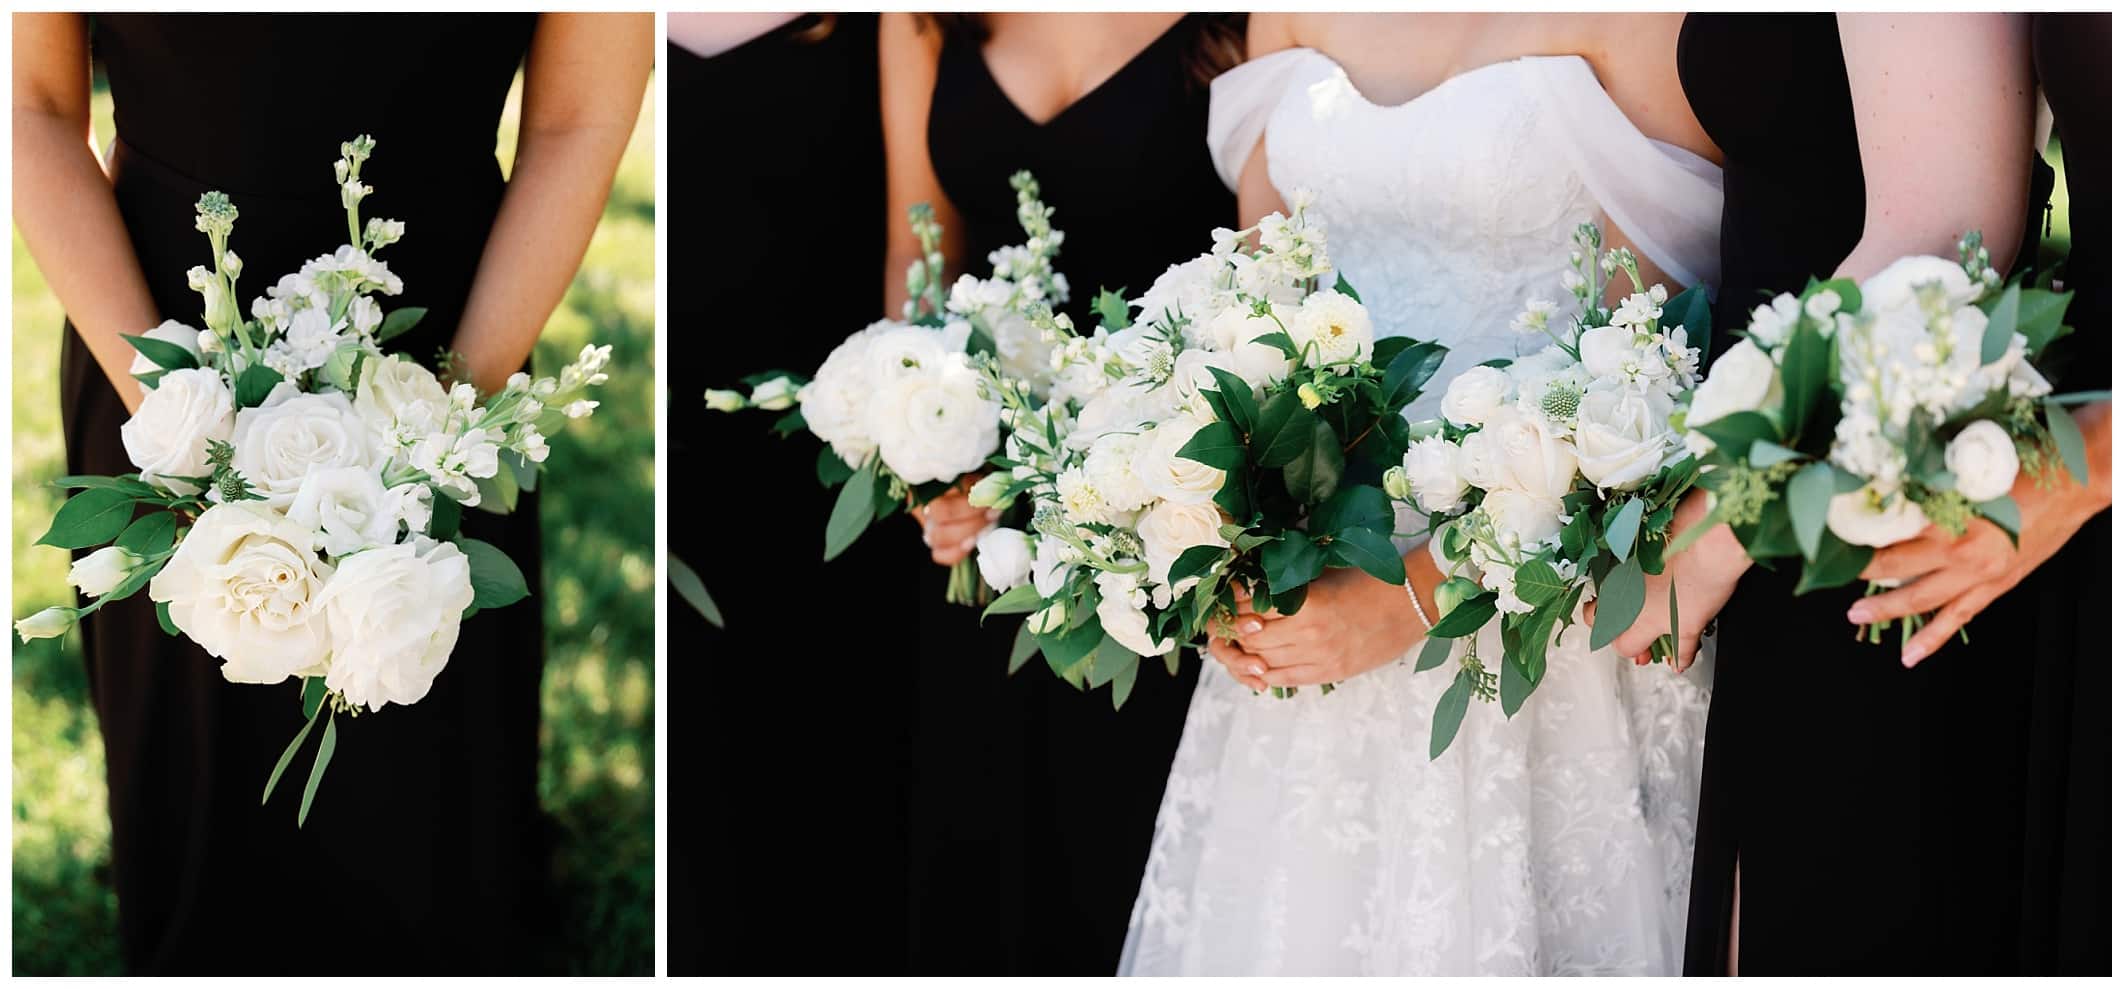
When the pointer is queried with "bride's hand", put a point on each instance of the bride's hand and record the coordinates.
(1703, 578)
(1352, 622)
(1956, 579)
(951, 524)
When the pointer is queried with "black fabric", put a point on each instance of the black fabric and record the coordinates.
(426, 848)
(1034, 803)
(1894, 821)
(787, 734)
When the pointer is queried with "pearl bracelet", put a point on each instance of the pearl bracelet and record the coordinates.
(1420, 616)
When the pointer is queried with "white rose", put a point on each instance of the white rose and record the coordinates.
(1191, 374)
(1167, 474)
(1607, 350)
(280, 442)
(1121, 615)
(1234, 331)
(1005, 558)
(171, 331)
(400, 399)
(347, 508)
(101, 572)
(1622, 435)
(1170, 529)
(1332, 328)
(935, 426)
(1872, 517)
(245, 586)
(394, 613)
(1984, 461)
(1739, 381)
(168, 437)
(1535, 460)
(1473, 394)
(774, 396)
(1523, 520)
(1433, 472)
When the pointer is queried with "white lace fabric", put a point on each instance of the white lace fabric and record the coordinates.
(1314, 835)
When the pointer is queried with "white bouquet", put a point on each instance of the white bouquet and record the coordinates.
(1552, 472)
(900, 405)
(1232, 431)
(1851, 415)
(299, 490)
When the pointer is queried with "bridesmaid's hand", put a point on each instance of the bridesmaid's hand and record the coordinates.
(1956, 579)
(951, 524)
(1703, 578)
(1352, 622)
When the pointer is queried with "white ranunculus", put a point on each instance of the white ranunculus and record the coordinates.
(1873, 517)
(1121, 602)
(168, 436)
(1622, 435)
(1332, 328)
(774, 395)
(1167, 474)
(293, 433)
(899, 351)
(1124, 407)
(1433, 471)
(245, 586)
(1171, 528)
(1739, 381)
(1005, 558)
(1983, 460)
(1111, 468)
(348, 509)
(1523, 520)
(101, 572)
(171, 331)
(936, 425)
(837, 401)
(393, 614)
(1475, 393)
(1535, 459)
(1479, 462)
(1234, 331)
(400, 399)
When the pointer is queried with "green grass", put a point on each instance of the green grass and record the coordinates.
(595, 776)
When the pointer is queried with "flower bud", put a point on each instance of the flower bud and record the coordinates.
(775, 395)
(1396, 483)
(47, 624)
(989, 492)
(100, 572)
(721, 400)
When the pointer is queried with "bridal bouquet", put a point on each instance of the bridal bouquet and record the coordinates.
(1551, 473)
(1851, 415)
(1232, 433)
(900, 405)
(296, 508)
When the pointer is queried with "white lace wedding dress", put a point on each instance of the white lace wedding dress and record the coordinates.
(1314, 836)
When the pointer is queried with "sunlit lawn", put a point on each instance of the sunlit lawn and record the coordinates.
(595, 778)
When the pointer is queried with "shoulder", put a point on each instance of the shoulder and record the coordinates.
(1634, 58)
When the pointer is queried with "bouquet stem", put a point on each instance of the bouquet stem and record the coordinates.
(966, 586)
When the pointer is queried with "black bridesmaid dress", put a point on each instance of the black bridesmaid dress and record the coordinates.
(426, 850)
(1894, 821)
(787, 742)
(1034, 803)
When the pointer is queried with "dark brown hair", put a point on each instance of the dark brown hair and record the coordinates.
(1217, 41)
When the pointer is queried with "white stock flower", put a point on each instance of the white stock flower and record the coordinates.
(168, 436)
(455, 462)
(1874, 517)
(1432, 470)
(1167, 474)
(1622, 436)
(244, 585)
(1983, 460)
(347, 508)
(101, 572)
(293, 433)
(394, 613)
(1475, 393)
(171, 331)
(1005, 558)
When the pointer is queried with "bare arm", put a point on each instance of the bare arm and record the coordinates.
(583, 85)
(907, 74)
(63, 201)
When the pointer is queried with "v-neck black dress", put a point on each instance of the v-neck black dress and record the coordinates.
(1894, 821)
(1034, 803)
(425, 850)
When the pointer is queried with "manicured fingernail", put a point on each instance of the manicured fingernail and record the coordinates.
(1860, 615)
(1911, 655)
(1249, 627)
(970, 543)
(1257, 669)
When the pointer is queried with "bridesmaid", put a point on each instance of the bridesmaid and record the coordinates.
(774, 802)
(426, 852)
(1892, 817)
(1033, 803)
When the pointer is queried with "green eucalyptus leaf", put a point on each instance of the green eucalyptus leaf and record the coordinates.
(1445, 720)
(1807, 504)
(91, 518)
(162, 353)
(1622, 529)
(398, 322)
(1467, 619)
(1998, 331)
(1622, 596)
(852, 510)
(496, 581)
(1369, 551)
(2065, 431)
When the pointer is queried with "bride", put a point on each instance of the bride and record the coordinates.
(1450, 157)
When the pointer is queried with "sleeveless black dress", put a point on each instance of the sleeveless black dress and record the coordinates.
(1034, 803)
(1894, 820)
(426, 850)
(788, 738)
